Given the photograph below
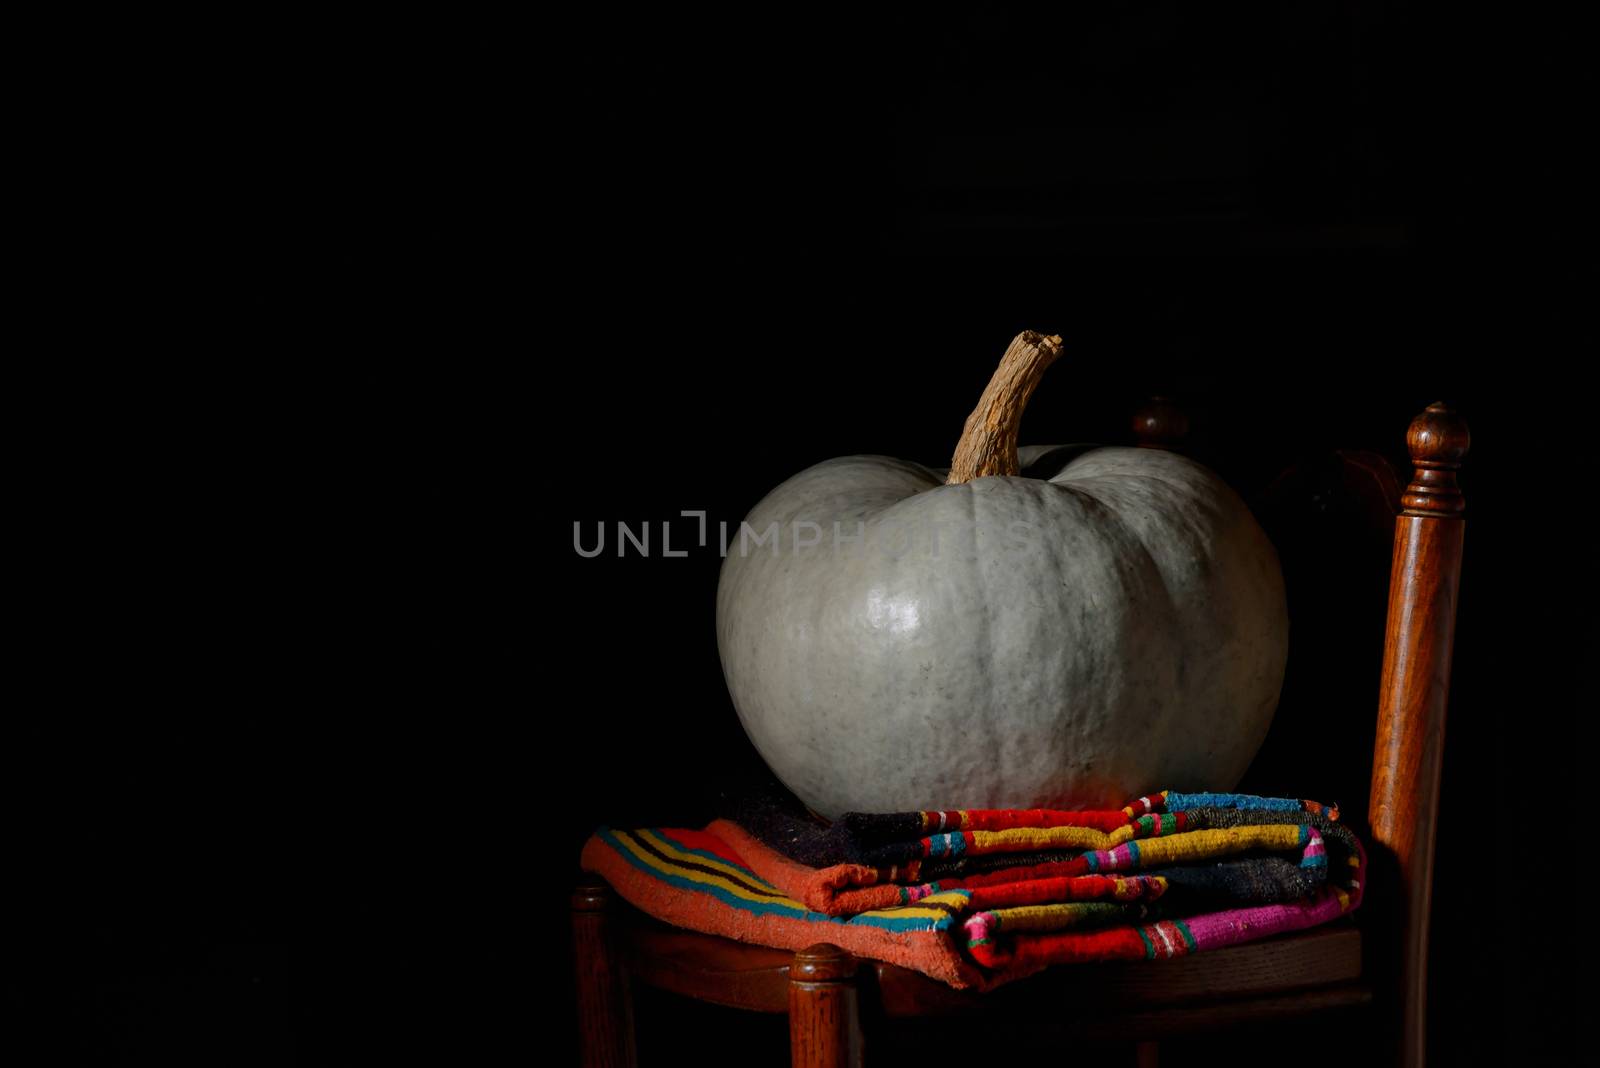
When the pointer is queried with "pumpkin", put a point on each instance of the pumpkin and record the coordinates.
(1062, 626)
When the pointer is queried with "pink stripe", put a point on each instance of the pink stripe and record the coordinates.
(981, 926)
(1217, 929)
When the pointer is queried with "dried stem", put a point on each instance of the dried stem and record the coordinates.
(988, 445)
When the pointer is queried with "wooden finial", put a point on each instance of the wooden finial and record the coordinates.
(1160, 424)
(1438, 440)
(821, 963)
(824, 1009)
(592, 894)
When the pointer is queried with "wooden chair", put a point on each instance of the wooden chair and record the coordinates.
(1376, 957)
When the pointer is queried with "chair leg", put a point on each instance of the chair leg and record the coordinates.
(824, 1009)
(605, 1003)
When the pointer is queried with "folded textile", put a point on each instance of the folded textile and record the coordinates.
(899, 872)
(1144, 887)
(897, 838)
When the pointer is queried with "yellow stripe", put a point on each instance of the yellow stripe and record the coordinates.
(1022, 838)
(1052, 917)
(904, 912)
(705, 878)
(1221, 841)
(956, 899)
(695, 858)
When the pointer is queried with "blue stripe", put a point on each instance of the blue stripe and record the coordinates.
(1177, 802)
(707, 854)
(789, 910)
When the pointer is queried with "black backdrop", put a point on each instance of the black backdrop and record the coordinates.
(481, 283)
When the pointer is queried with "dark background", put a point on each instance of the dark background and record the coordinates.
(471, 284)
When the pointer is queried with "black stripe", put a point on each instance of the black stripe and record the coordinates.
(938, 906)
(706, 868)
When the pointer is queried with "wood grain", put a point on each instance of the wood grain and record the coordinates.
(605, 1003)
(824, 1009)
(1438, 440)
(1149, 1024)
(708, 968)
(1413, 694)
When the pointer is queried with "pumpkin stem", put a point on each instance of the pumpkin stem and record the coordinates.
(988, 445)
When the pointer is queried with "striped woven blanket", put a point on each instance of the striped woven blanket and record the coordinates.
(1168, 875)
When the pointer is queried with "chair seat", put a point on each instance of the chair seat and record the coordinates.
(1292, 974)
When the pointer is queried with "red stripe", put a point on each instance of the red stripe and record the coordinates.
(703, 840)
(1116, 943)
(994, 819)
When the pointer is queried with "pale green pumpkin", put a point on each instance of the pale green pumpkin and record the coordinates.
(1110, 622)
